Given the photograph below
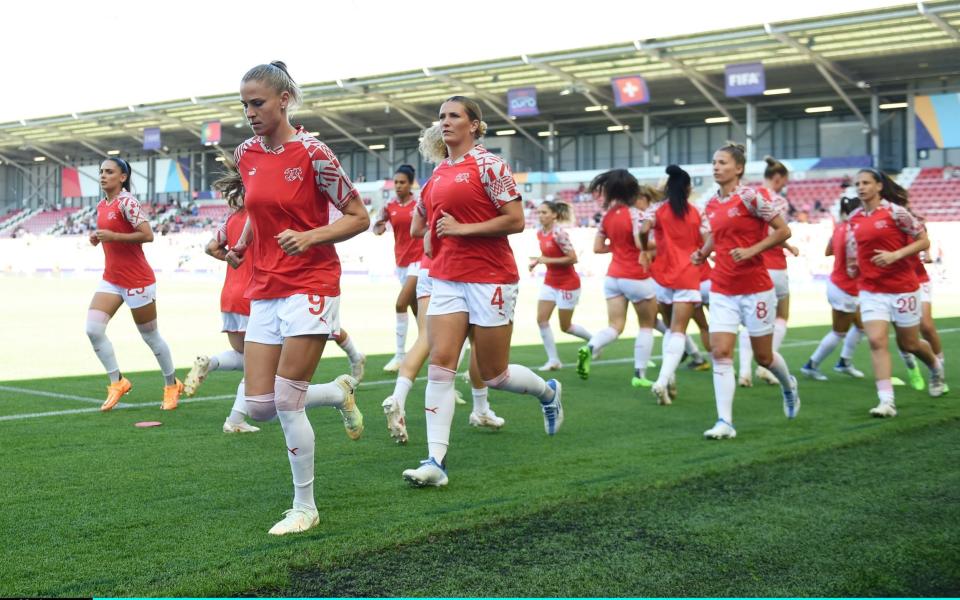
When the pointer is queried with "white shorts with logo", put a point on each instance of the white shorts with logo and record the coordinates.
(840, 300)
(902, 309)
(926, 293)
(755, 311)
(234, 322)
(487, 304)
(635, 290)
(705, 292)
(781, 282)
(667, 295)
(564, 299)
(411, 270)
(273, 320)
(133, 297)
(424, 284)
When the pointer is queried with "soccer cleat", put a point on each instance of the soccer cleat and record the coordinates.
(241, 427)
(357, 368)
(429, 473)
(720, 430)
(846, 367)
(791, 399)
(672, 387)
(745, 381)
(584, 356)
(551, 366)
(488, 419)
(352, 417)
(396, 420)
(394, 365)
(295, 520)
(938, 386)
(700, 364)
(915, 378)
(897, 382)
(884, 409)
(171, 395)
(811, 372)
(198, 372)
(639, 382)
(553, 410)
(660, 393)
(115, 391)
(764, 374)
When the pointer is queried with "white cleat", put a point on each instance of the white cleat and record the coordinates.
(357, 368)
(489, 419)
(458, 397)
(551, 366)
(764, 374)
(352, 417)
(241, 427)
(394, 365)
(791, 399)
(396, 420)
(848, 369)
(661, 394)
(429, 473)
(813, 373)
(937, 385)
(721, 430)
(295, 520)
(553, 410)
(884, 409)
(745, 381)
(672, 387)
(198, 372)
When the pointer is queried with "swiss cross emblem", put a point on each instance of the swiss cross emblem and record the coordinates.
(462, 178)
(112, 216)
(293, 174)
(733, 212)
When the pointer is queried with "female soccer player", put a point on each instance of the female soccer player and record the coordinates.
(627, 281)
(678, 232)
(842, 294)
(127, 279)
(561, 286)
(407, 252)
(289, 179)
(743, 223)
(882, 233)
(472, 205)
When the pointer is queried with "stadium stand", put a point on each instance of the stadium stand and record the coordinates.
(935, 194)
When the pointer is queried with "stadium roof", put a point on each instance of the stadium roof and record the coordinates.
(841, 59)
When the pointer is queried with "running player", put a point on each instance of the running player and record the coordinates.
(122, 228)
(627, 281)
(407, 252)
(561, 286)
(290, 178)
(743, 223)
(882, 233)
(472, 205)
(928, 328)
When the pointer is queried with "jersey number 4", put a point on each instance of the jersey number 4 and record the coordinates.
(497, 299)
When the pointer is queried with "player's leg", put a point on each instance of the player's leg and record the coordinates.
(145, 318)
(102, 308)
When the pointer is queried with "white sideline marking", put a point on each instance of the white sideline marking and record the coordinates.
(76, 411)
(19, 390)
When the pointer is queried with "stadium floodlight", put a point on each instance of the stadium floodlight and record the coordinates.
(218, 159)
(314, 133)
(39, 158)
(776, 91)
(618, 128)
(507, 132)
(893, 105)
(566, 91)
(546, 133)
(679, 101)
(113, 152)
(712, 120)
(818, 109)
(377, 146)
(596, 108)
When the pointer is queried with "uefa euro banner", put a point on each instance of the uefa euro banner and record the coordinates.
(746, 79)
(937, 121)
(522, 102)
(630, 90)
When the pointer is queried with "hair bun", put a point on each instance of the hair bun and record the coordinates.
(280, 65)
(674, 170)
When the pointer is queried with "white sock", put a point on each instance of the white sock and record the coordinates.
(780, 370)
(602, 338)
(779, 332)
(745, 353)
(854, 335)
(942, 360)
(642, 349)
(546, 334)
(349, 349)
(402, 322)
(661, 326)
(439, 403)
(400, 390)
(97, 332)
(580, 331)
(300, 448)
(480, 403)
(324, 394)
(724, 385)
(885, 391)
(672, 353)
(239, 411)
(230, 360)
(690, 347)
(521, 380)
(149, 333)
(827, 345)
(909, 360)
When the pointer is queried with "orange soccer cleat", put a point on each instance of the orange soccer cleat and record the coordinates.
(171, 395)
(115, 391)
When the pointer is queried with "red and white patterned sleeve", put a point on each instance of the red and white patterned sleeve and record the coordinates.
(331, 179)
(906, 221)
(853, 269)
(704, 221)
(562, 238)
(131, 210)
(497, 179)
(759, 202)
(383, 215)
(637, 217)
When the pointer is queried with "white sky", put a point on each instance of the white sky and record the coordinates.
(85, 55)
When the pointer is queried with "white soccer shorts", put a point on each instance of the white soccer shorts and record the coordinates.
(781, 282)
(756, 312)
(840, 300)
(667, 295)
(634, 290)
(132, 297)
(902, 309)
(424, 284)
(234, 322)
(487, 304)
(273, 320)
(564, 299)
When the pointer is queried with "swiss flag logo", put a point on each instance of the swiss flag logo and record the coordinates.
(630, 90)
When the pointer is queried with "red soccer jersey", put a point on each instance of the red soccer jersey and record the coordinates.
(291, 187)
(888, 227)
(620, 225)
(775, 259)
(739, 220)
(125, 264)
(676, 238)
(920, 268)
(406, 249)
(839, 276)
(236, 281)
(472, 190)
(556, 244)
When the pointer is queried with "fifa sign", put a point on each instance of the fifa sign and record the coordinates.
(744, 80)
(522, 102)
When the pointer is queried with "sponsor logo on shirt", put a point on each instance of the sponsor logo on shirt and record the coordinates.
(462, 178)
(880, 224)
(293, 174)
(252, 172)
(734, 212)
(112, 216)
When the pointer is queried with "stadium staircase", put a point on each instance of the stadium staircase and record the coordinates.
(13, 224)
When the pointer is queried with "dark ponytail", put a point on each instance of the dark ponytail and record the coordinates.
(409, 171)
(774, 167)
(677, 190)
(891, 190)
(616, 185)
(124, 168)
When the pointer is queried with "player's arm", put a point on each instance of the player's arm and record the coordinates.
(215, 249)
(779, 234)
(885, 259)
(380, 225)
(143, 235)
(700, 256)
(510, 220)
(418, 225)
(355, 220)
(600, 245)
(235, 256)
